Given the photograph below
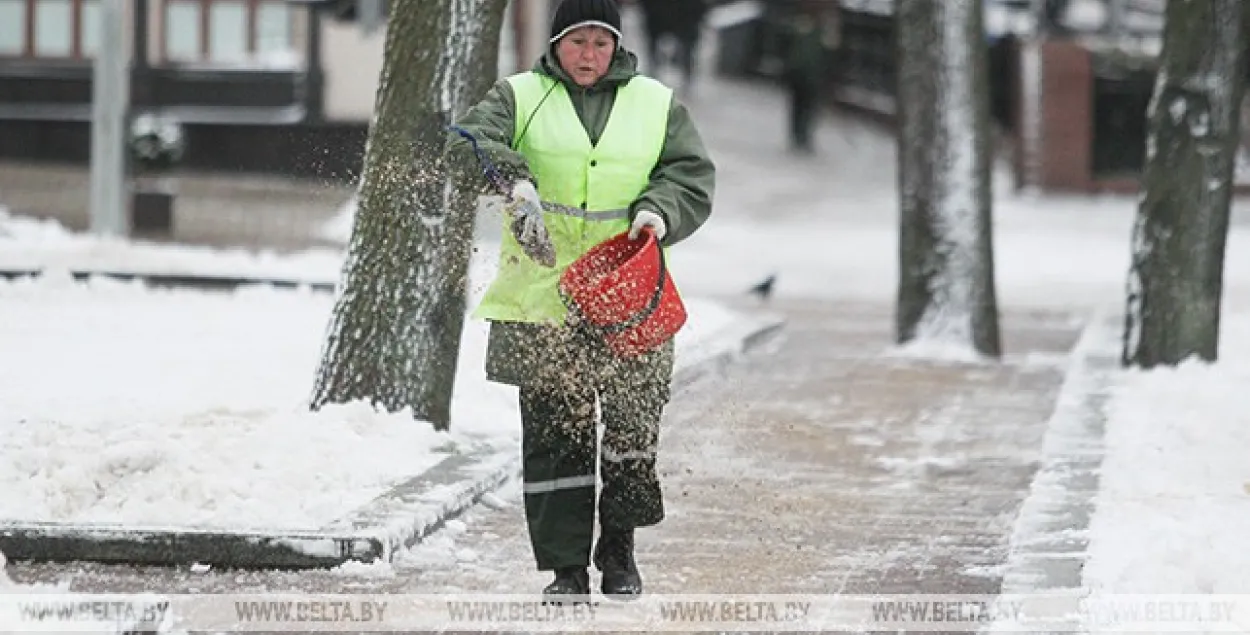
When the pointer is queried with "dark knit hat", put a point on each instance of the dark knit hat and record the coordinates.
(572, 14)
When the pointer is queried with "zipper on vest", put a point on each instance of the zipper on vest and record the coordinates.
(582, 115)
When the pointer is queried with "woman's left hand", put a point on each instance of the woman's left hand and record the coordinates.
(647, 218)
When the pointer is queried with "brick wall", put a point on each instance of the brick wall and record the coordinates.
(1066, 117)
(1055, 153)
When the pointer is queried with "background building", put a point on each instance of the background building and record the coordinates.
(272, 97)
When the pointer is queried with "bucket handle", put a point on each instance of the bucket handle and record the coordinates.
(646, 311)
(489, 170)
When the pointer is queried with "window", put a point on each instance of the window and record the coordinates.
(12, 27)
(52, 37)
(226, 31)
(49, 28)
(89, 39)
(273, 29)
(182, 30)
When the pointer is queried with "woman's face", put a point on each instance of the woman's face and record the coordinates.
(586, 53)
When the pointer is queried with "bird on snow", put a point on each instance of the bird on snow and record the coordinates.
(764, 288)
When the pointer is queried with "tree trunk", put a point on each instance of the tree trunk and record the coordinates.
(395, 328)
(477, 28)
(946, 265)
(1176, 277)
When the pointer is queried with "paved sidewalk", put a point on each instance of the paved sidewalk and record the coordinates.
(826, 467)
(820, 466)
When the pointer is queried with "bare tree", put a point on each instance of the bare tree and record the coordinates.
(395, 328)
(1176, 277)
(946, 264)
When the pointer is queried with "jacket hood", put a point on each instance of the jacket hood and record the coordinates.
(624, 66)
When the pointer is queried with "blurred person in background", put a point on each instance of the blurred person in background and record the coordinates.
(811, 37)
(682, 22)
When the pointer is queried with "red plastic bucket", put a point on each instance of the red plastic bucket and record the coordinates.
(622, 290)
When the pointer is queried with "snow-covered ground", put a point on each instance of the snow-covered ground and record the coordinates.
(171, 407)
(1173, 508)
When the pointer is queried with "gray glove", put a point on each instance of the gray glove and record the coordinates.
(526, 211)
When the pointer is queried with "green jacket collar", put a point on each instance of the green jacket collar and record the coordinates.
(624, 67)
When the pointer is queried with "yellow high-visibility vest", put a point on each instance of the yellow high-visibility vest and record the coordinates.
(589, 186)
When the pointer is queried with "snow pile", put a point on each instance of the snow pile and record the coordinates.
(16, 230)
(155, 407)
(1173, 508)
(936, 348)
(339, 228)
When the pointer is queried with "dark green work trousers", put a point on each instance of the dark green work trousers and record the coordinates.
(560, 445)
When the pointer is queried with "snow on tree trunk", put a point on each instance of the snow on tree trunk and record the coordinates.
(946, 272)
(477, 37)
(394, 331)
(1176, 276)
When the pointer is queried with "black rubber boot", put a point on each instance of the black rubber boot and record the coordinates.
(571, 586)
(614, 556)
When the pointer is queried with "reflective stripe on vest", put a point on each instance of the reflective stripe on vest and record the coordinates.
(587, 189)
(569, 210)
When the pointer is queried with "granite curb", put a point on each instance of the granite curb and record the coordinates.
(203, 282)
(1049, 541)
(399, 518)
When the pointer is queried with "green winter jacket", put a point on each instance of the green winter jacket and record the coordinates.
(680, 189)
